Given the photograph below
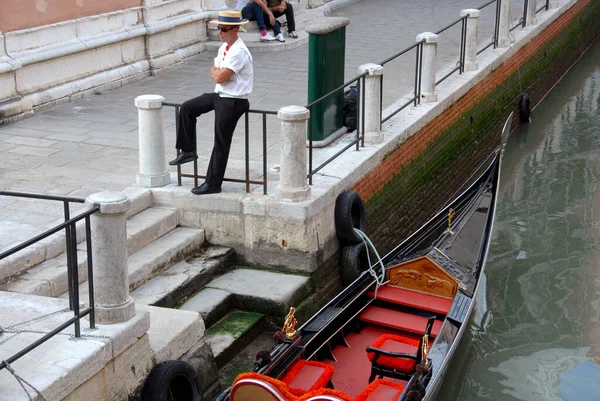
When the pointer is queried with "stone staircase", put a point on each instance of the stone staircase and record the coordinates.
(172, 267)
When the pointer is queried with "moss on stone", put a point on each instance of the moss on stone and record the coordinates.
(236, 323)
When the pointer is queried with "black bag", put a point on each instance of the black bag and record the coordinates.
(350, 108)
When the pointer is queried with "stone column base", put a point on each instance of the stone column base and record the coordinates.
(293, 194)
(153, 181)
(373, 138)
(428, 97)
(115, 314)
(471, 66)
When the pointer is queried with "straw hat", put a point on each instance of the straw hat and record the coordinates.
(229, 17)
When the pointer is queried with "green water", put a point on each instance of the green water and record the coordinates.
(541, 332)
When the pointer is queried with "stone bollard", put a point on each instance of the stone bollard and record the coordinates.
(109, 255)
(153, 170)
(292, 175)
(372, 94)
(553, 4)
(428, 66)
(531, 11)
(472, 15)
(504, 24)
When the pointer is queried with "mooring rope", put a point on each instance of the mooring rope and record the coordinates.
(22, 381)
(371, 270)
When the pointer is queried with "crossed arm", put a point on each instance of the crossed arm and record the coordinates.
(220, 75)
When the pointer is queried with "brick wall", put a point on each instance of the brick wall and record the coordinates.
(416, 179)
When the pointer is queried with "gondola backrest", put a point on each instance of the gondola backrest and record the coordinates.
(423, 275)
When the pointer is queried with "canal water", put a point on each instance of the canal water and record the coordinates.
(536, 331)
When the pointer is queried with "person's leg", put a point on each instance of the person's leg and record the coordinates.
(227, 113)
(186, 120)
(257, 14)
(289, 16)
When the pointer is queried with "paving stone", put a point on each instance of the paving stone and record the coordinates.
(31, 150)
(212, 304)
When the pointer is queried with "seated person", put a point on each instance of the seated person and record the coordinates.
(264, 13)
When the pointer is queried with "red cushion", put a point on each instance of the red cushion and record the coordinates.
(307, 376)
(395, 343)
(380, 390)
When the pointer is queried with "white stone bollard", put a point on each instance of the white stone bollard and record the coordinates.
(553, 4)
(109, 255)
(504, 24)
(428, 66)
(472, 15)
(531, 9)
(372, 94)
(292, 175)
(153, 170)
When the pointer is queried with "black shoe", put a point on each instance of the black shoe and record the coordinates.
(206, 189)
(183, 157)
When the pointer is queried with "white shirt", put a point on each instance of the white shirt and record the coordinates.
(239, 60)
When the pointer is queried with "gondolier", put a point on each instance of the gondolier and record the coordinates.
(233, 74)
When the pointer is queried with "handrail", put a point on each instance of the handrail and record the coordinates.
(69, 225)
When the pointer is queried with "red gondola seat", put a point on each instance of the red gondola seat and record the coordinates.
(380, 390)
(386, 362)
(305, 376)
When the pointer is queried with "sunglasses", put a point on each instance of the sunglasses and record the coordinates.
(225, 29)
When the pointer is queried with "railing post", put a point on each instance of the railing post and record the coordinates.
(504, 24)
(552, 4)
(372, 101)
(472, 15)
(428, 71)
(109, 252)
(153, 170)
(531, 10)
(292, 174)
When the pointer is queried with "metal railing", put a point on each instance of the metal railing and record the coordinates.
(463, 38)
(358, 141)
(70, 229)
(247, 179)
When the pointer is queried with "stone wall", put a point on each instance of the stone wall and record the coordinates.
(416, 179)
(58, 54)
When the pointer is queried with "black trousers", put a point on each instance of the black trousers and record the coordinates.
(289, 17)
(227, 113)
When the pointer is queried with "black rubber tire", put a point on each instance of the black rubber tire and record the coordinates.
(354, 261)
(349, 213)
(524, 108)
(172, 381)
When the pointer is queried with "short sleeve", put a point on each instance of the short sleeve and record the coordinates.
(236, 62)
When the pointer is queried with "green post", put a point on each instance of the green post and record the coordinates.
(326, 61)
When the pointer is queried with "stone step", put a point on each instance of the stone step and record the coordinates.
(252, 41)
(53, 246)
(174, 285)
(50, 278)
(254, 290)
(146, 226)
(232, 333)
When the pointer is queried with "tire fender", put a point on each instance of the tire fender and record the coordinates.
(349, 213)
(524, 108)
(172, 380)
(354, 261)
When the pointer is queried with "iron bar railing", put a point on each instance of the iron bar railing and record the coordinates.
(524, 17)
(494, 40)
(461, 53)
(416, 99)
(543, 7)
(247, 181)
(360, 101)
(70, 227)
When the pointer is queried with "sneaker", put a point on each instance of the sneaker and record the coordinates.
(267, 37)
(280, 37)
(293, 34)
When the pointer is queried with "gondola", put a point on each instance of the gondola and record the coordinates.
(391, 334)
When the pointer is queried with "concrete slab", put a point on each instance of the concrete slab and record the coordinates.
(263, 291)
